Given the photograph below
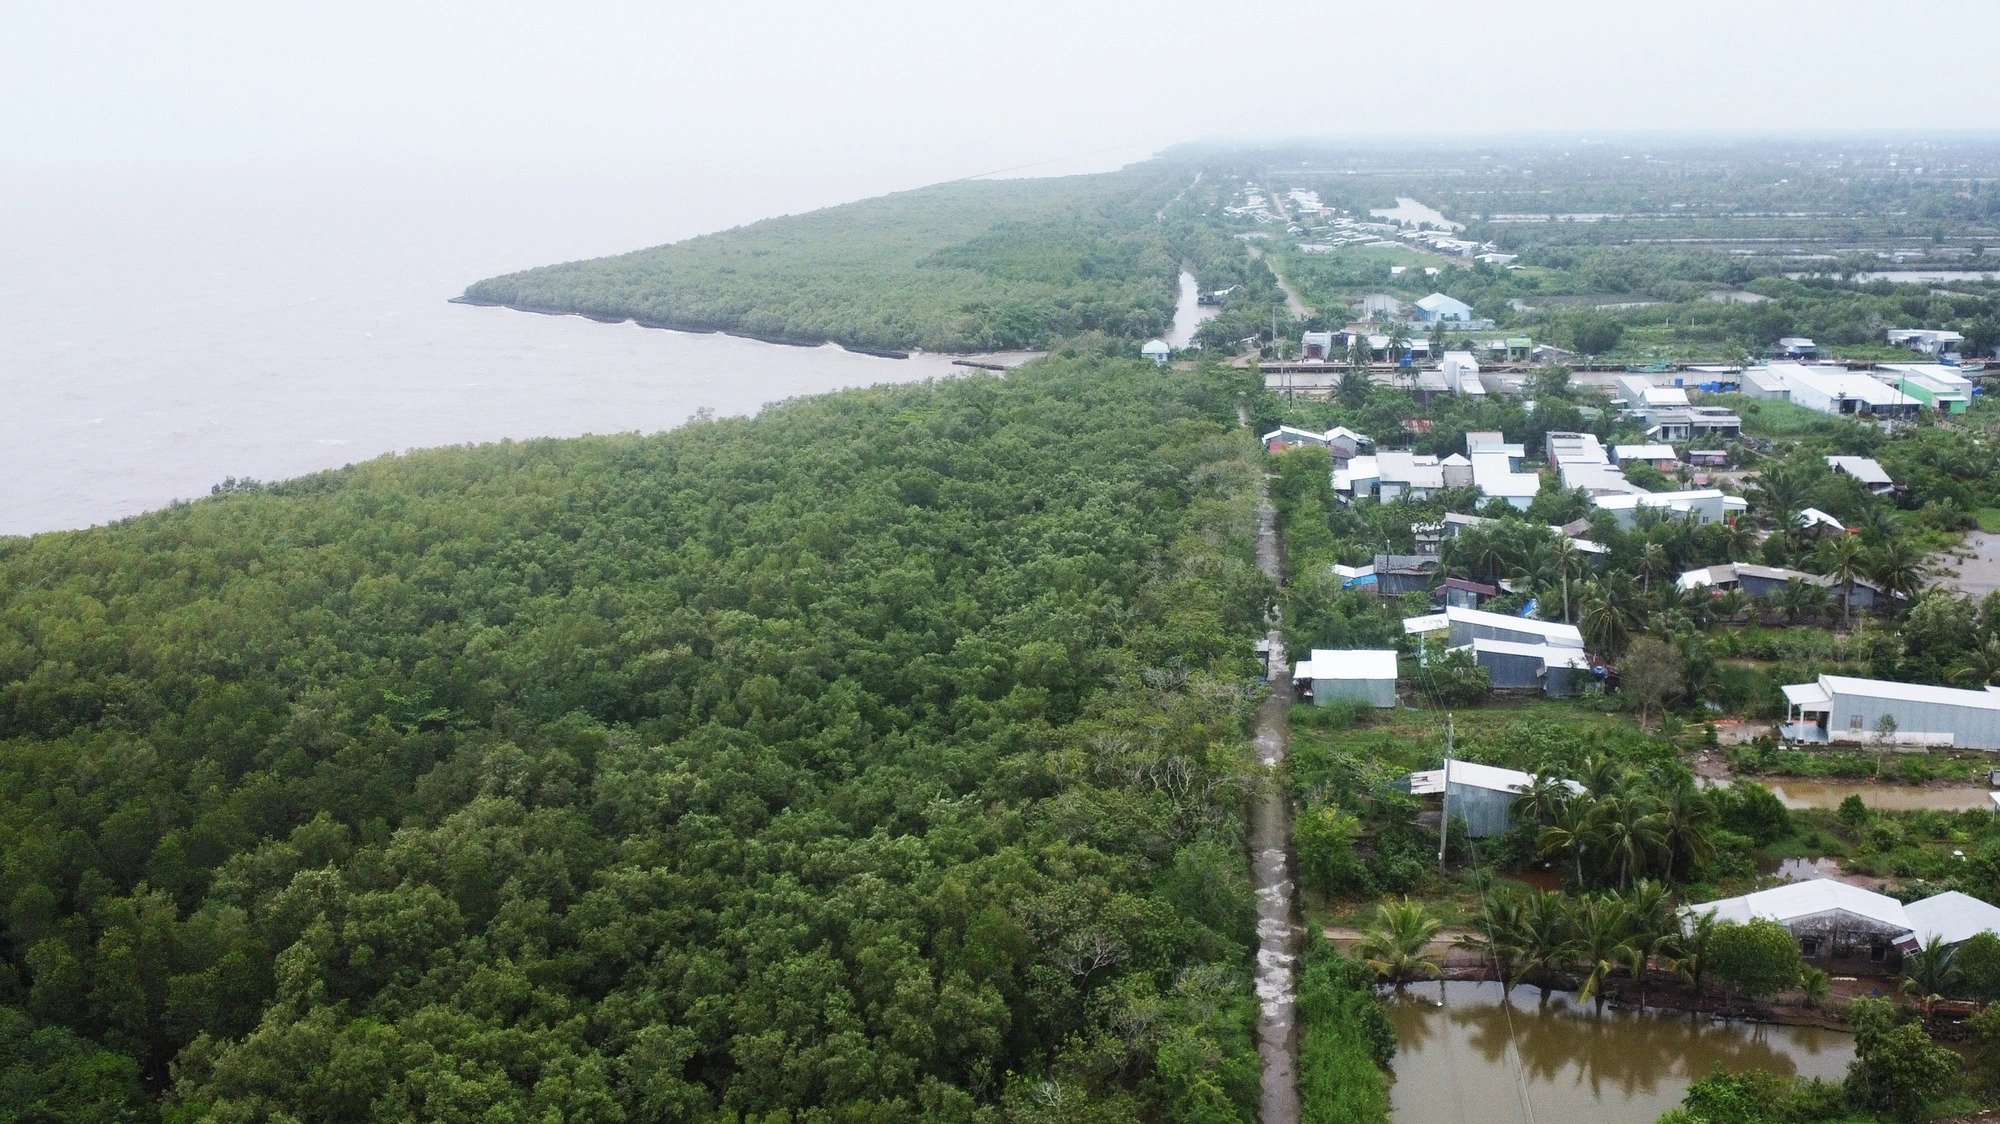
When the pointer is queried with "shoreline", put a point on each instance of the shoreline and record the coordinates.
(961, 358)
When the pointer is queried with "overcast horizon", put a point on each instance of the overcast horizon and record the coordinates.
(918, 92)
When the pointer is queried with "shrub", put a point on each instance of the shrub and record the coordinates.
(1758, 959)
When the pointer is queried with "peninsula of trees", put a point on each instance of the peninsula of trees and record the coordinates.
(975, 265)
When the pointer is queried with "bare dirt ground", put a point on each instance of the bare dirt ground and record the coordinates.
(1974, 569)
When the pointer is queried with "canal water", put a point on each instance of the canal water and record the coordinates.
(1468, 1057)
(1189, 312)
(1883, 797)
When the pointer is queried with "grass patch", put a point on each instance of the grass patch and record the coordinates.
(1989, 519)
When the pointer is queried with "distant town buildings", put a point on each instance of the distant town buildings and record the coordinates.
(1438, 307)
(1930, 341)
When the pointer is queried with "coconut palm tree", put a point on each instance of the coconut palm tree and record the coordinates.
(1602, 619)
(1574, 830)
(1979, 666)
(1542, 802)
(1729, 604)
(1393, 941)
(1686, 816)
(1399, 341)
(1653, 564)
(1631, 827)
(1815, 986)
(1741, 540)
(1650, 926)
(1598, 944)
(1803, 599)
(1499, 939)
(1897, 567)
(1931, 973)
(1567, 559)
(1687, 952)
(1544, 932)
(1843, 559)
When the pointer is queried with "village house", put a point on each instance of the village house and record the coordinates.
(1359, 675)
(1438, 307)
(1482, 795)
(1930, 341)
(1556, 670)
(1841, 708)
(1942, 388)
(1460, 627)
(1703, 505)
(1865, 469)
(1831, 920)
(1837, 391)
(1159, 351)
(1661, 457)
(1770, 581)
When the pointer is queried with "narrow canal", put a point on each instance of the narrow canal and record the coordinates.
(1462, 1056)
(1270, 868)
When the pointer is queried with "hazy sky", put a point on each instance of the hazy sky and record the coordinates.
(948, 86)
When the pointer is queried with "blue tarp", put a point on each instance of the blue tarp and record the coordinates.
(1528, 610)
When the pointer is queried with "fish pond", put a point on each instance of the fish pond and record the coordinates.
(1463, 1055)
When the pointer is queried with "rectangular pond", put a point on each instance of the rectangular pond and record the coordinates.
(1464, 1056)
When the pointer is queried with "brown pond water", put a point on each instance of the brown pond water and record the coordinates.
(1457, 1060)
(1885, 797)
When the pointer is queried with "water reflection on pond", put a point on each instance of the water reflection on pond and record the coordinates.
(1454, 1062)
(1883, 797)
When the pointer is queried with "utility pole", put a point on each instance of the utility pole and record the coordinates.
(1444, 809)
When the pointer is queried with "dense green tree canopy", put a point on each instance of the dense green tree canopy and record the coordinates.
(966, 266)
(875, 759)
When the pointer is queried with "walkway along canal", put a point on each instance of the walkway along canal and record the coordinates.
(1270, 865)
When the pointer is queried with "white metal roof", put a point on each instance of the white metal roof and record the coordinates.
(1988, 699)
(1493, 473)
(1553, 632)
(1431, 781)
(1838, 382)
(1795, 900)
(1814, 516)
(1809, 695)
(1347, 663)
(1550, 656)
(1951, 377)
(1951, 917)
(1644, 452)
(1673, 501)
(1865, 469)
(1435, 622)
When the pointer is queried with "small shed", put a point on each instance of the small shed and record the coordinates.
(1483, 795)
(1363, 675)
(1159, 351)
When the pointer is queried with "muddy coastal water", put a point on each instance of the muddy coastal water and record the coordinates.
(1463, 1056)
